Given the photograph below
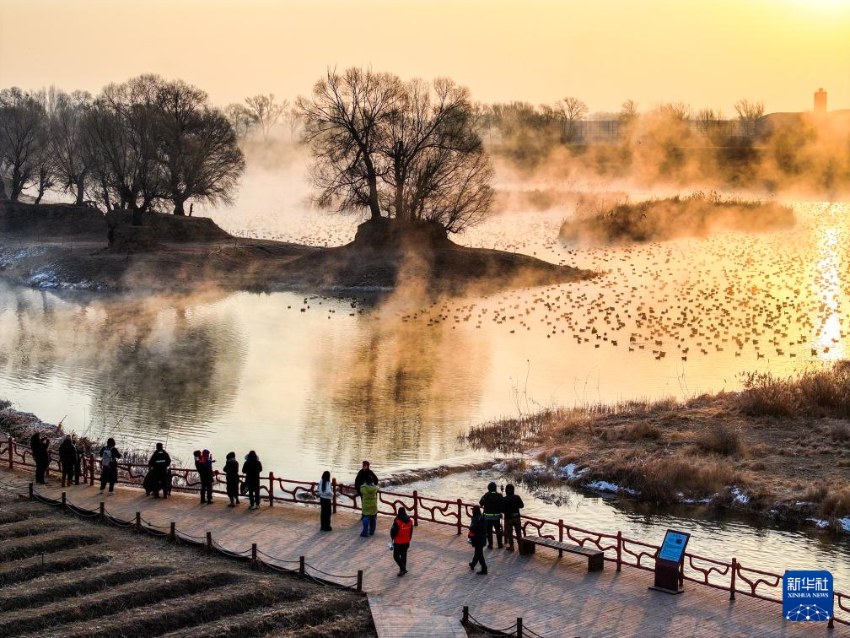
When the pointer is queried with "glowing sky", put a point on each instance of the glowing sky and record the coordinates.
(708, 53)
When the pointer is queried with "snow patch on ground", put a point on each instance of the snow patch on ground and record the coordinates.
(572, 471)
(819, 522)
(845, 524)
(739, 496)
(613, 488)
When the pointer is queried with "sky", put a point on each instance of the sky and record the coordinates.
(707, 53)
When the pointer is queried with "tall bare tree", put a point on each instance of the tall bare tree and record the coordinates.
(23, 138)
(409, 150)
(570, 110)
(198, 149)
(344, 122)
(241, 119)
(66, 143)
(265, 111)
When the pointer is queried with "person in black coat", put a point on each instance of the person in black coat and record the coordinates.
(492, 504)
(251, 468)
(158, 466)
(68, 460)
(511, 505)
(364, 476)
(204, 466)
(478, 538)
(109, 456)
(40, 456)
(231, 472)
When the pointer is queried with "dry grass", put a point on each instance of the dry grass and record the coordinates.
(720, 438)
(816, 393)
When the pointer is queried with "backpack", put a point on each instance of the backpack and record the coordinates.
(106, 458)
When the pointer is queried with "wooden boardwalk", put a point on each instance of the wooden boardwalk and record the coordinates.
(555, 597)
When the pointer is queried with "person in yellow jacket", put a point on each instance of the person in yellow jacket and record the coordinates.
(369, 508)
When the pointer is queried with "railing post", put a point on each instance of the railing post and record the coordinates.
(11, 453)
(302, 567)
(333, 489)
(64, 500)
(831, 623)
(102, 511)
(464, 620)
(734, 574)
(359, 580)
(560, 536)
(91, 469)
(271, 489)
(415, 508)
(138, 521)
(31, 492)
(254, 555)
(209, 542)
(459, 517)
(619, 550)
(519, 627)
(172, 531)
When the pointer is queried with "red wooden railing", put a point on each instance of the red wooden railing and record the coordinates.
(727, 576)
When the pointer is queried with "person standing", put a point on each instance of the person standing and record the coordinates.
(401, 532)
(365, 475)
(203, 464)
(369, 508)
(251, 468)
(511, 505)
(492, 504)
(40, 456)
(231, 472)
(109, 456)
(325, 494)
(158, 466)
(68, 460)
(478, 538)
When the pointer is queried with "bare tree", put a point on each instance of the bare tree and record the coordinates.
(265, 111)
(408, 150)
(678, 111)
(570, 110)
(343, 123)
(198, 149)
(66, 142)
(241, 119)
(23, 137)
(749, 113)
(437, 168)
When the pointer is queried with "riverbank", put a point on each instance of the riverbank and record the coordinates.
(77, 248)
(779, 448)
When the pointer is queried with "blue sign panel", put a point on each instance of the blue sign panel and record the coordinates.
(673, 547)
(807, 595)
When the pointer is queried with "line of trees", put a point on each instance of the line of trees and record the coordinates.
(147, 144)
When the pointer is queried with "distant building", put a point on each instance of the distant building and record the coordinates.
(820, 101)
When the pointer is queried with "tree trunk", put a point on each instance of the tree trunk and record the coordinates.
(80, 192)
(372, 178)
(3, 195)
(137, 214)
(40, 195)
(178, 206)
(17, 185)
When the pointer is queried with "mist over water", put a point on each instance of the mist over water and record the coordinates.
(314, 382)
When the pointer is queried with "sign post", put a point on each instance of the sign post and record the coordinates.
(669, 562)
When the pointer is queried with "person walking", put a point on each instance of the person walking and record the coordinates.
(251, 468)
(158, 466)
(401, 532)
(78, 463)
(203, 464)
(109, 456)
(231, 472)
(325, 493)
(68, 460)
(478, 537)
(492, 504)
(511, 505)
(40, 456)
(369, 508)
(365, 475)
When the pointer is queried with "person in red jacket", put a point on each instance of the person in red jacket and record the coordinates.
(401, 532)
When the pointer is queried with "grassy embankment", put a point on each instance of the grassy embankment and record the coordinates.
(781, 446)
(600, 221)
(61, 576)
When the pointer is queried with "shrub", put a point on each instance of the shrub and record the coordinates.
(720, 438)
(836, 503)
(640, 431)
